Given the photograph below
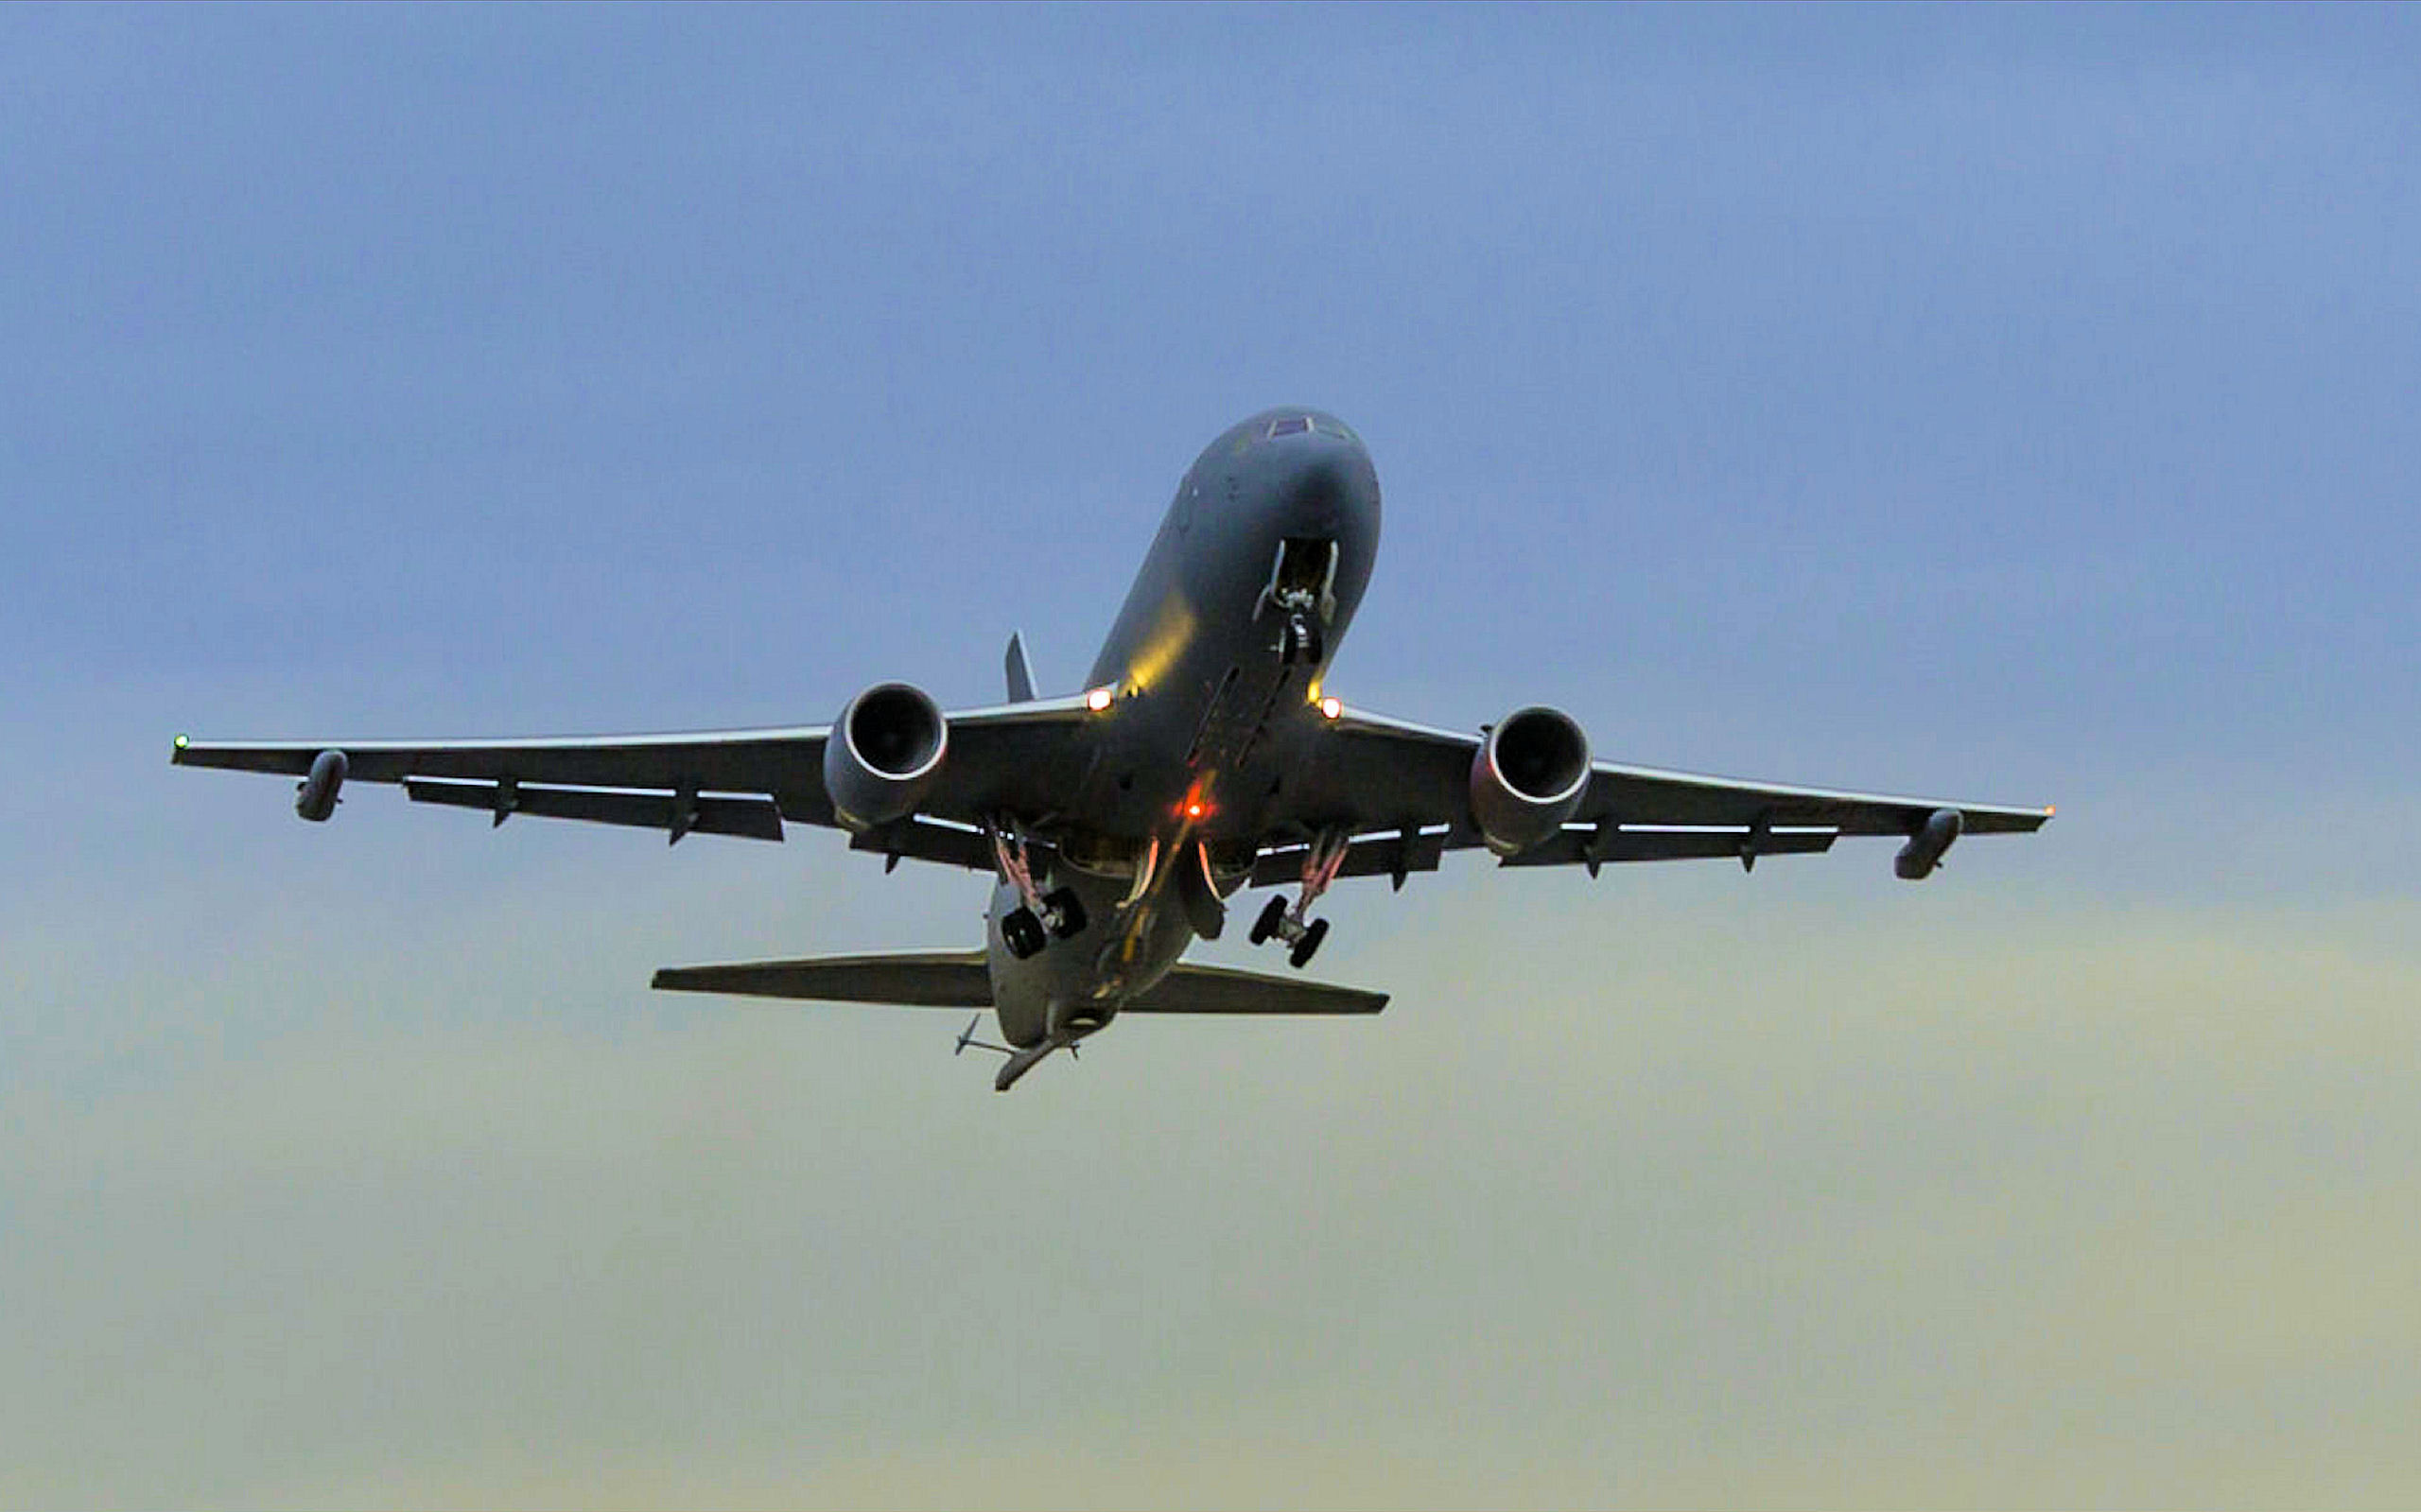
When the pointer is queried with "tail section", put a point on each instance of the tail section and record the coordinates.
(1021, 677)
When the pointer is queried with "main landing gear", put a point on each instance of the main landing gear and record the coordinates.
(1039, 918)
(1302, 936)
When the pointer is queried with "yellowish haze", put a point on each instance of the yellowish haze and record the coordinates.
(1673, 1192)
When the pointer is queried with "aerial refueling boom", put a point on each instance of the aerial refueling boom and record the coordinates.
(1923, 853)
(315, 796)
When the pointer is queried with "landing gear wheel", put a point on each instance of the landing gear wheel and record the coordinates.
(1271, 914)
(1298, 643)
(1308, 945)
(1064, 913)
(1022, 934)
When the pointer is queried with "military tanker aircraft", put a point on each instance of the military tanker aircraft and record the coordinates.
(1205, 754)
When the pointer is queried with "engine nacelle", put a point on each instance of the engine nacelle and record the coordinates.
(884, 752)
(315, 796)
(1527, 779)
(1923, 853)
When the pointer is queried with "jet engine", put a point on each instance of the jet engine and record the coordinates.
(884, 752)
(1527, 777)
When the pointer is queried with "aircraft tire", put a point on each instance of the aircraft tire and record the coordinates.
(1022, 934)
(1265, 926)
(1309, 946)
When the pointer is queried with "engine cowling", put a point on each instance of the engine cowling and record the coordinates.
(1527, 779)
(885, 750)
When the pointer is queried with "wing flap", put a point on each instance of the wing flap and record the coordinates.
(925, 840)
(1381, 855)
(915, 979)
(780, 762)
(748, 818)
(1649, 795)
(1586, 843)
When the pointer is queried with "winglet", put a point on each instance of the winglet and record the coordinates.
(1021, 677)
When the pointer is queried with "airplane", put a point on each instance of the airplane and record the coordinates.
(1205, 754)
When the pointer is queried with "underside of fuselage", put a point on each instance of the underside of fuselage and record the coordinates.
(1213, 674)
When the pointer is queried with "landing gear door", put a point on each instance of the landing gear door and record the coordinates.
(1304, 579)
(1303, 588)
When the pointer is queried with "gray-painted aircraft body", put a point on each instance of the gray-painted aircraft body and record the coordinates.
(1204, 755)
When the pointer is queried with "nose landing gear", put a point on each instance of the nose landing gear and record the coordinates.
(1303, 936)
(1299, 643)
(1302, 587)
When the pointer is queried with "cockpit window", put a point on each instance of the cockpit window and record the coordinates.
(1331, 428)
(1290, 426)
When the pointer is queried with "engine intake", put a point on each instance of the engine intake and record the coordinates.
(1527, 779)
(884, 754)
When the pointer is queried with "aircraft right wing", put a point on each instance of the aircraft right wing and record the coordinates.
(1019, 758)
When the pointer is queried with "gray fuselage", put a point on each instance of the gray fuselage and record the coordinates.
(1216, 697)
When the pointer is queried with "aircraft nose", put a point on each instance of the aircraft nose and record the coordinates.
(1324, 489)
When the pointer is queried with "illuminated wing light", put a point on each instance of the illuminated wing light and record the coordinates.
(1098, 699)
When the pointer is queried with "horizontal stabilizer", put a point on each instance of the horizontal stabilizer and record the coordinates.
(958, 979)
(1218, 990)
(909, 978)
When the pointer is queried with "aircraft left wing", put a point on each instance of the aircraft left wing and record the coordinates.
(1013, 758)
(1402, 789)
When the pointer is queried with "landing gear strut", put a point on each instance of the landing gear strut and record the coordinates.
(1039, 917)
(1303, 588)
(1302, 934)
(1299, 643)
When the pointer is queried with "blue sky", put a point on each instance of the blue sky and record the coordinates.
(2013, 403)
